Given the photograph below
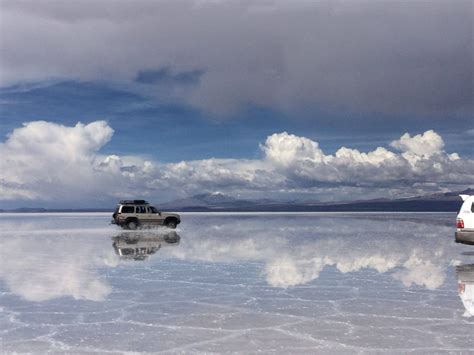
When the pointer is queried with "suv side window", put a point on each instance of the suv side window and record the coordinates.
(141, 209)
(128, 209)
(152, 209)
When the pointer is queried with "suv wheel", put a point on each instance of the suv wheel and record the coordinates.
(132, 225)
(171, 224)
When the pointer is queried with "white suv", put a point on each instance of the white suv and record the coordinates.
(132, 214)
(465, 221)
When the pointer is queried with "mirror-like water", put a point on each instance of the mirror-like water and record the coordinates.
(242, 283)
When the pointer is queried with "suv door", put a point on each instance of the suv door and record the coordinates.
(154, 215)
(142, 213)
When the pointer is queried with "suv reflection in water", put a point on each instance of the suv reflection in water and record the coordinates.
(465, 276)
(139, 246)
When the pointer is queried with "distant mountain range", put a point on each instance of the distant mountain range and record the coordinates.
(449, 201)
(218, 202)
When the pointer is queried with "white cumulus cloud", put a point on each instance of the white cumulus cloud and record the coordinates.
(45, 161)
(287, 149)
(43, 157)
(425, 144)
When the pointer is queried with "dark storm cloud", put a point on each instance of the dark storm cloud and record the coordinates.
(388, 57)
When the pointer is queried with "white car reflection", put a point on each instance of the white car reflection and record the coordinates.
(465, 276)
(139, 246)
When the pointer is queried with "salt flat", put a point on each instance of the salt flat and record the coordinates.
(236, 283)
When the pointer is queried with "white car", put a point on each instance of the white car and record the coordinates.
(465, 221)
(465, 275)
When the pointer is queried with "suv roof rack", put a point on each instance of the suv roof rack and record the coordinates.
(133, 202)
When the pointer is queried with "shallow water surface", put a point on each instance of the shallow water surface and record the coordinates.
(244, 283)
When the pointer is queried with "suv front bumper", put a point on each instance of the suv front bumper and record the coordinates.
(465, 237)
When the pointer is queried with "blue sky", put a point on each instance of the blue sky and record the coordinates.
(176, 131)
(204, 83)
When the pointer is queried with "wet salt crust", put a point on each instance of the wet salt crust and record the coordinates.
(236, 283)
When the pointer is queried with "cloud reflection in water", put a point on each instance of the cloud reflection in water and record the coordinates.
(291, 250)
(295, 251)
(41, 267)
